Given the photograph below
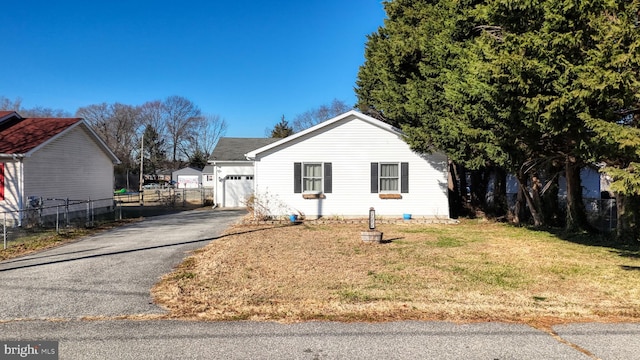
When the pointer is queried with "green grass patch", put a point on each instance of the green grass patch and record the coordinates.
(501, 276)
(354, 296)
(384, 278)
(446, 242)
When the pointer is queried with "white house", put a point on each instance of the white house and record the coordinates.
(51, 158)
(230, 173)
(347, 165)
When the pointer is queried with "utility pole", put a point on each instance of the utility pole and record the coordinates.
(141, 170)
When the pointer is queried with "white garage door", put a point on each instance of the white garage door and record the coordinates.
(188, 181)
(237, 188)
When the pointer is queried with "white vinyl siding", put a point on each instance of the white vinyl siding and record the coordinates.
(71, 166)
(351, 146)
(222, 170)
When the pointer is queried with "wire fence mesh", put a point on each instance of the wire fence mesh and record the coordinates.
(66, 214)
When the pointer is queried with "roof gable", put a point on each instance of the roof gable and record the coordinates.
(234, 149)
(20, 136)
(318, 128)
(6, 116)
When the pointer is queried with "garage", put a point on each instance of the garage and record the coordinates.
(188, 181)
(187, 178)
(237, 188)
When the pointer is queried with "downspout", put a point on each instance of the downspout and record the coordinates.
(255, 176)
(215, 181)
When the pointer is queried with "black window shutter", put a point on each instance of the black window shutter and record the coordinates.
(327, 178)
(374, 178)
(404, 177)
(297, 178)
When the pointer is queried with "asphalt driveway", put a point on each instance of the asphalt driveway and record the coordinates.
(108, 274)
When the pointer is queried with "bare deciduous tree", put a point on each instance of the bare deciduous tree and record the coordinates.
(38, 111)
(180, 115)
(117, 124)
(207, 130)
(316, 116)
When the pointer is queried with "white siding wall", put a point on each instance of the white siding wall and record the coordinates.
(12, 182)
(72, 166)
(351, 146)
(224, 169)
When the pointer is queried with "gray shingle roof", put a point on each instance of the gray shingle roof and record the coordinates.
(233, 149)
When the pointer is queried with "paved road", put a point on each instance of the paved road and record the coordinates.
(323, 340)
(107, 274)
(111, 274)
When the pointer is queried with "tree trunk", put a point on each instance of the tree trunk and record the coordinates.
(524, 192)
(551, 205)
(463, 192)
(500, 205)
(454, 192)
(627, 207)
(576, 219)
(479, 185)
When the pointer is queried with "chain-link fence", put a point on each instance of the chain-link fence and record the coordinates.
(64, 215)
(44, 214)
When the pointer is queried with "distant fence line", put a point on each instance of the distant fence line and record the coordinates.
(169, 197)
(49, 213)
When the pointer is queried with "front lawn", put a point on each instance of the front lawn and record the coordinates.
(473, 271)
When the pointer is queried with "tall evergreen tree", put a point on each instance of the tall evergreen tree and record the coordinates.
(525, 85)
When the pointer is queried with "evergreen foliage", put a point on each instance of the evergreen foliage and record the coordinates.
(533, 87)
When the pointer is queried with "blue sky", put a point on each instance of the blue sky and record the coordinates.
(248, 61)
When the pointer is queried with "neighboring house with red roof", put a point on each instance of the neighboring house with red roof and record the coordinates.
(51, 158)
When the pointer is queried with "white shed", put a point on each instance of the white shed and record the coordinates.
(346, 165)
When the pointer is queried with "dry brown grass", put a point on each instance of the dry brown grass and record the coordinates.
(473, 271)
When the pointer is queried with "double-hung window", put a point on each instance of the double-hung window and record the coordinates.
(312, 178)
(388, 177)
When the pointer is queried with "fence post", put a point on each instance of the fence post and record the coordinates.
(40, 207)
(66, 211)
(58, 219)
(4, 230)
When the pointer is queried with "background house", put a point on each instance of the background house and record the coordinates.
(187, 178)
(231, 174)
(44, 161)
(346, 165)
